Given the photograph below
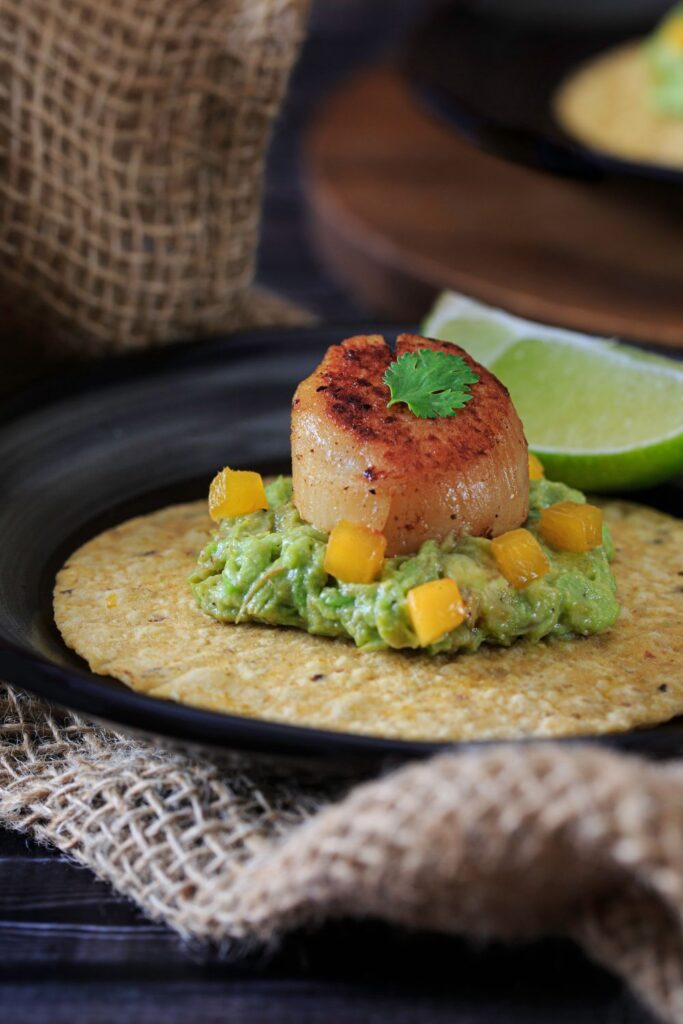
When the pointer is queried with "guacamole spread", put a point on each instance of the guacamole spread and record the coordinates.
(664, 52)
(268, 567)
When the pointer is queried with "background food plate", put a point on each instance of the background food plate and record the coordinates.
(508, 110)
(85, 452)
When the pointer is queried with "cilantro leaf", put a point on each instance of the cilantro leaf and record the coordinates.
(430, 383)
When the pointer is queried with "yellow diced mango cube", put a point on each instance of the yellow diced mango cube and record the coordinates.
(435, 608)
(236, 492)
(354, 553)
(672, 32)
(571, 526)
(536, 471)
(519, 557)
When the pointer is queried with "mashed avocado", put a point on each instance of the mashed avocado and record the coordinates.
(664, 52)
(268, 567)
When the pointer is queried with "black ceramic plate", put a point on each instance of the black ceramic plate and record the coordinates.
(494, 79)
(83, 453)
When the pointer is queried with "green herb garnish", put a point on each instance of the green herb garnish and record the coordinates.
(430, 383)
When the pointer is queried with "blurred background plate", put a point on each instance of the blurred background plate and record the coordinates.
(82, 453)
(492, 69)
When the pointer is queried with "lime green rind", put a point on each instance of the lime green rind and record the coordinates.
(630, 471)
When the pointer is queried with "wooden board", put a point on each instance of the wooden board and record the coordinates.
(402, 206)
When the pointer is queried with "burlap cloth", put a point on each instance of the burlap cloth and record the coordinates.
(132, 140)
(132, 135)
(509, 841)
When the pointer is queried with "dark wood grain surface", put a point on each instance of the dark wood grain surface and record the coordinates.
(72, 951)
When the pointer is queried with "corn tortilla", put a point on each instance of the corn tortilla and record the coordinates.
(122, 602)
(606, 104)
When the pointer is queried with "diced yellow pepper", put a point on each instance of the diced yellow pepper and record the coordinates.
(519, 557)
(672, 32)
(536, 471)
(354, 553)
(236, 492)
(571, 526)
(435, 608)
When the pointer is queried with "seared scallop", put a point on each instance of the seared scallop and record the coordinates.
(354, 458)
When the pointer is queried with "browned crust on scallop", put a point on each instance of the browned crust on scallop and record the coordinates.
(350, 378)
(355, 398)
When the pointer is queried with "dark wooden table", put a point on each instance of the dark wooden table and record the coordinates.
(72, 951)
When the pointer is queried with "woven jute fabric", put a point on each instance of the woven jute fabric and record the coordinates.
(509, 842)
(132, 141)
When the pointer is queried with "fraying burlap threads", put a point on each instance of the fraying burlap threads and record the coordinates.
(509, 842)
(132, 141)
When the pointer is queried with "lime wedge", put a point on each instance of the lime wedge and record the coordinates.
(600, 415)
